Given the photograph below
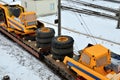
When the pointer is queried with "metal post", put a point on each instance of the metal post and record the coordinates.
(118, 25)
(59, 17)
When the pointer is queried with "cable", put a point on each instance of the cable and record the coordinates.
(76, 46)
(88, 29)
(82, 22)
(85, 29)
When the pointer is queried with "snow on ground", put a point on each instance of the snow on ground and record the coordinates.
(11, 2)
(20, 65)
(81, 41)
(104, 3)
(80, 6)
(98, 26)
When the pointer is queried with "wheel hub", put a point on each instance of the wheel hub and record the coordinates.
(62, 39)
(45, 29)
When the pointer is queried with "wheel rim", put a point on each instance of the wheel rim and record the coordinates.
(45, 29)
(62, 39)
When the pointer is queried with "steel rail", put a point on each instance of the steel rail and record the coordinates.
(59, 68)
(77, 32)
(89, 12)
(115, 1)
(94, 6)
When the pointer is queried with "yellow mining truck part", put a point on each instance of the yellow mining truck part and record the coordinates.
(15, 19)
(92, 62)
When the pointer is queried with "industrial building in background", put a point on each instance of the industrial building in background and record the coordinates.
(41, 7)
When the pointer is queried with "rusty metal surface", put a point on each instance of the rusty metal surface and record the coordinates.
(60, 68)
(57, 67)
(27, 47)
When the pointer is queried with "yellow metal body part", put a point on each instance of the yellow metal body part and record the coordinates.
(17, 20)
(96, 57)
(91, 63)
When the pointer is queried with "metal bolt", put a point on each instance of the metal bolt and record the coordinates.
(29, 40)
(35, 45)
(57, 60)
(51, 55)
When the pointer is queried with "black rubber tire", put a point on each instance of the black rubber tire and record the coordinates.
(69, 54)
(56, 57)
(16, 11)
(42, 34)
(62, 45)
(62, 51)
(32, 38)
(61, 58)
(40, 45)
(44, 40)
(40, 24)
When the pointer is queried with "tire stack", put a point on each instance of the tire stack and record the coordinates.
(44, 37)
(62, 46)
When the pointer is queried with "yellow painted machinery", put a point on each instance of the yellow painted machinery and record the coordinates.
(92, 64)
(15, 19)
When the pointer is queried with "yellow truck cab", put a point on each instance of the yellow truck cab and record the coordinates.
(96, 57)
(92, 62)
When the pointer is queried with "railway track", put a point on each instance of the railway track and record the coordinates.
(3, 2)
(90, 12)
(94, 6)
(115, 1)
(42, 54)
(84, 33)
